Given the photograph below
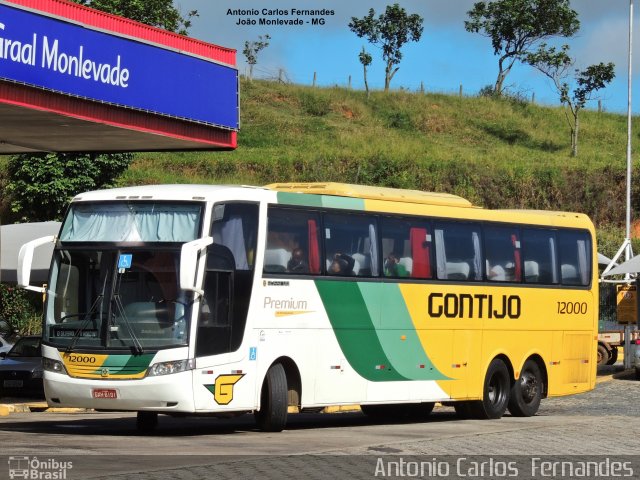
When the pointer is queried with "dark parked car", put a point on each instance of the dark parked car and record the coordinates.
(21, 369)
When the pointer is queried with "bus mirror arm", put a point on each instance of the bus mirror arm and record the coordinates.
(189, 257)
(25, 261)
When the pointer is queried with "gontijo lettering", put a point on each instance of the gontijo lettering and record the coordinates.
(464, 305)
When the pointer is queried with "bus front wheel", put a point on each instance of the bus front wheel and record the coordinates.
(495, 393)
(272, 416)
(526, 392)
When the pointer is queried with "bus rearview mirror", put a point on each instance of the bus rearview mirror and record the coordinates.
(25, 261)
(189, 258)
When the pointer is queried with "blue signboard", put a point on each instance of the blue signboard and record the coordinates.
(124, 261)
(71, 59)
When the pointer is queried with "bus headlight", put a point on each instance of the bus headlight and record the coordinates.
(53, 365)
(167, 368)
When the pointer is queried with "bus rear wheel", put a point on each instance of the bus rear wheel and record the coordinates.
(526, 392)
(272, 416)
(495, 393)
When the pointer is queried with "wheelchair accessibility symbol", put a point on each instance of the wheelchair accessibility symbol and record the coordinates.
(124, 261)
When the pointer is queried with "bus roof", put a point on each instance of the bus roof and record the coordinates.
(372, 193)
(180, 192)
(381, 198)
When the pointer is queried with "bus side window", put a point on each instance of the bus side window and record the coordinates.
(540, 256)
(502, 254)
(235, 226)
(292, 242)
(351, 245)
(458, 251)
(575, 257)
(406, 248)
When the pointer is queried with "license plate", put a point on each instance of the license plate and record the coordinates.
(104, 393)
(13, 383)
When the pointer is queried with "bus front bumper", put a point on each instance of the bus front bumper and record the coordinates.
(170, 393)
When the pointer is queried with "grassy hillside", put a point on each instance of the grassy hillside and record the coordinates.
(497, 153)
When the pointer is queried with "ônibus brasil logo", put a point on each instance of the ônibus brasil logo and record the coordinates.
(33, 468)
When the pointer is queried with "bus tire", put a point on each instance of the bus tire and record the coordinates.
(613, 356)
(146, 422)
(495, 392)
(272, 416)
(603, 354)
(637, 373)
(526, 392)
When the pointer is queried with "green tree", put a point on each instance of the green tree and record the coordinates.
(365, 60)
(390, 31)
(557, 65)
(41, 184)
(515, 27)
(19, 311)
(158, 13)
(252, 49)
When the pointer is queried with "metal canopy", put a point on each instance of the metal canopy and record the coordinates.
(25, 130)
(628, 267)
(603, 260)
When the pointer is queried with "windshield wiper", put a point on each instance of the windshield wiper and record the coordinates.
(85, 323)
(137, 346)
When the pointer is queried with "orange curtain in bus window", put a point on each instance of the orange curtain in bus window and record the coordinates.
(420, 251)
(314, 252)
(516, 258)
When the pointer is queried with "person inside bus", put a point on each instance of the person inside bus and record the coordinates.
(297, 264)
(393, 267)
(342, 264)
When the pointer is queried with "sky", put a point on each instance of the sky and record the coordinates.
(445, 58)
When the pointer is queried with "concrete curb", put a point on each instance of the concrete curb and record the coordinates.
(355, 408)
(28, 407)
(341, 408)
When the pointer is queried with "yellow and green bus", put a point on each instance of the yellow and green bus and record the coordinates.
(202, 299)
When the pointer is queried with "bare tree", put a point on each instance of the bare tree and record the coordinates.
(252, 49)
(557, 65)
(365, 60)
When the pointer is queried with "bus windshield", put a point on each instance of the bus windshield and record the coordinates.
(116, 298)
